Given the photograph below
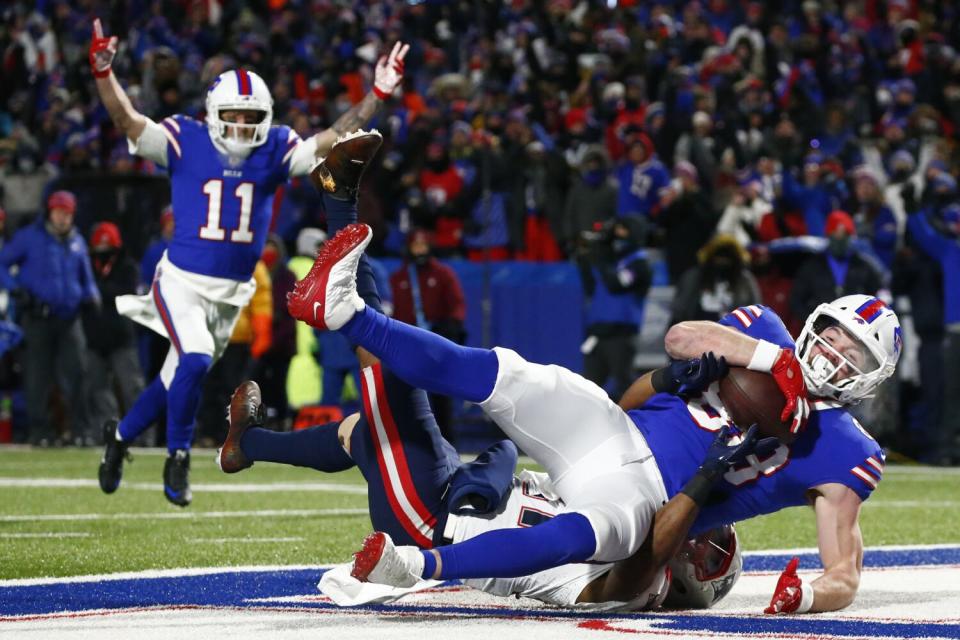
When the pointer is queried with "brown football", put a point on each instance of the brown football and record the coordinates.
(752, 396)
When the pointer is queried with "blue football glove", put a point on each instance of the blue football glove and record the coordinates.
(721, 456)
(690, 377)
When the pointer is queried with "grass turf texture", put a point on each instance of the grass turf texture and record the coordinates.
(911, 506)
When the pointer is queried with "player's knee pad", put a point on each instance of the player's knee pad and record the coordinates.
(192, 367)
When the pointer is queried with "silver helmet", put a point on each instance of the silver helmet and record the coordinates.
(705, 569)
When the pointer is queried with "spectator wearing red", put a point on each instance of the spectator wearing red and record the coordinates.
(427, 293)
(836, 272)
(441, 184)
(114, 374)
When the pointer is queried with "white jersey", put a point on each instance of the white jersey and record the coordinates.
(531, 501)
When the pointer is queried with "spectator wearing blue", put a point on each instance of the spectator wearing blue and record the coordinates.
(810, 195)
(943, 245)
(836, 272)
(874, 220)
(642, 178)
(54, 280)
(616, 277)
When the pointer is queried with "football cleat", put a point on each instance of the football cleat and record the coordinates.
(176, 478)
(382, 562)
(111, 464)
(246, 410)
(339, 173)
(326, 298)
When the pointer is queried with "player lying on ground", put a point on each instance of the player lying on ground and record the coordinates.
(421, 495)
(613, 468)
(846, 349)
(223, 173)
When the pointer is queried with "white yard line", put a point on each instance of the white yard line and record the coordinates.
(47, 534)
(157, 573)
(184, 515)
(217, 487)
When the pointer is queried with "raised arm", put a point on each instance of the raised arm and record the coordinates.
(841, 552)
(387, 77)
(127, 119)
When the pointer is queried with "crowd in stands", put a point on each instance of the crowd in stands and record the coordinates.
(739, 139)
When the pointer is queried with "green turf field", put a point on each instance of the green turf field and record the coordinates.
(61, 530)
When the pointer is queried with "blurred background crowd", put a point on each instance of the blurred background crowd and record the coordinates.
(687, 156)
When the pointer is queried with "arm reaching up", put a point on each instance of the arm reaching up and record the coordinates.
(387, 77)
(102, 51)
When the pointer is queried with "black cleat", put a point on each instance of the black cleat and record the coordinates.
(176, 478)
(340, 172)
(246, 410)
(111, 464)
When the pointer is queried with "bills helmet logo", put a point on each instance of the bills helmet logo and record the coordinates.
(897, 340)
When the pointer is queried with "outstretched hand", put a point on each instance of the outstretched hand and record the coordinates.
(696, 374)
(722, 455)
(102, 51)
(389, 71)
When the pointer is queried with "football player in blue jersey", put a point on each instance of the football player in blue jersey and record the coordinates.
(846, 349)
(224, 173)
(614, 466)
(420, 495)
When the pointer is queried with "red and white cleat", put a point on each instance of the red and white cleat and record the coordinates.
(381, 562)
(326, 298)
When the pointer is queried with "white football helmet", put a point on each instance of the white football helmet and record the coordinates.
(705, 569)
(869, 354)
(239, 90)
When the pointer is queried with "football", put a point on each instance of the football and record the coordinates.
(752, 396)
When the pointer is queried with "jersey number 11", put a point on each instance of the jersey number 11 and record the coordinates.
(212, 230)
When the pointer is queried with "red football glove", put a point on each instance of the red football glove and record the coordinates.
(788, 376)
(788, 596)
(389, 71)
(102, 51)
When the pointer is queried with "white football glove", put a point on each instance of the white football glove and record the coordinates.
(389, 71)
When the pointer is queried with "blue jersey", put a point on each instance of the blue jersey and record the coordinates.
(640, 187)
(834, 448)
(222, 211)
